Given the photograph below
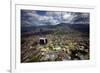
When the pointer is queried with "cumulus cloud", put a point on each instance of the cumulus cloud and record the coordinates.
(36, 18)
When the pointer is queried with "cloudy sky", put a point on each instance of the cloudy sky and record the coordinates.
(37, 18)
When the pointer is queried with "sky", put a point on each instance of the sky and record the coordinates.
(37, 17)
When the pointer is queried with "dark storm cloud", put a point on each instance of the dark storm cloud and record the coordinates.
(36, 18)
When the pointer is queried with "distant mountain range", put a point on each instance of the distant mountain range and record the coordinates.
(62, 27)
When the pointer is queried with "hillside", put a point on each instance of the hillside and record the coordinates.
(65, 42)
